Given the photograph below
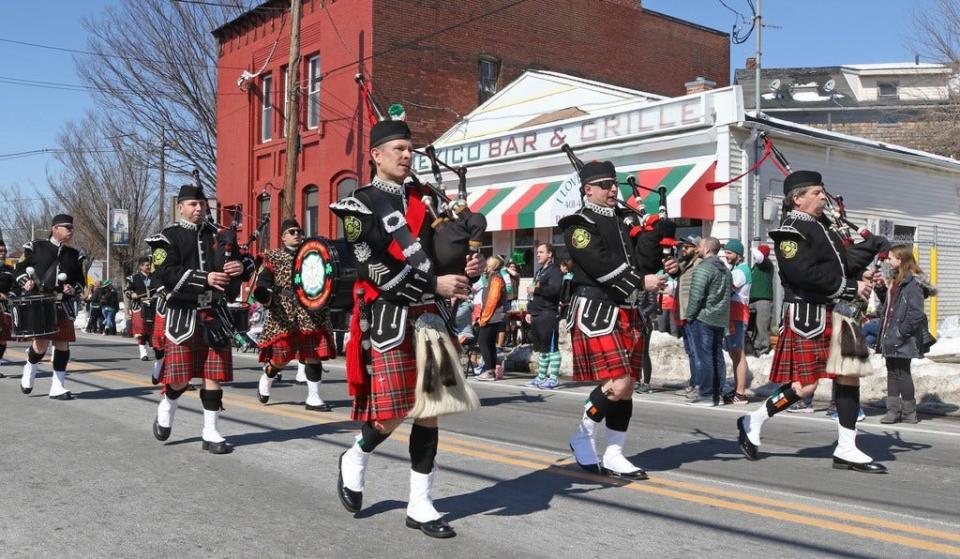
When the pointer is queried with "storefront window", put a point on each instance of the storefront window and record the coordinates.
(524, 245)
(560, 252)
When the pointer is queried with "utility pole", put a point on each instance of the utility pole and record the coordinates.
(163, 175)
(292, 114)
(757, 99)
(107, 272)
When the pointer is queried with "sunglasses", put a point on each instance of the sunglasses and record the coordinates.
(294, 231)
(605, 185)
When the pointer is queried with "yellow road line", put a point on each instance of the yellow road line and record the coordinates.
(701, 494)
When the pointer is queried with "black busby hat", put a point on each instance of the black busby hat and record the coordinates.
(597, 170)
(288, 224)
(800, 179)
(62, 219)
(189, 192)
(386, 130)
(144, 260)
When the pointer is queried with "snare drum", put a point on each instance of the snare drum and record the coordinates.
(239, 316)
(323, 275)
(33, 316)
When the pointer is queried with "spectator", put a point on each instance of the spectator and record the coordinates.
(492, 317)
(668, 307)
(95, 317)
(566, 290)
(110, 302)
(761, 299)
(511, 279)
(544, 317)
(903, 331)
(739, 318)
(707, 314)
(689, 258)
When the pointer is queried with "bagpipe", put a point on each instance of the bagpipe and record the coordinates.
(654, 235)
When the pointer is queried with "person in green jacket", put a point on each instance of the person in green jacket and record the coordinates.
(761, 299)
(707, 314)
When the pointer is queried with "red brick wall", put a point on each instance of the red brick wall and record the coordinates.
(605, 40)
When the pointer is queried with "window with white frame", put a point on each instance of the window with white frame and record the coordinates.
(311, 210)
(887, 89)
(313, 92)
(266, 109)
(489, 76)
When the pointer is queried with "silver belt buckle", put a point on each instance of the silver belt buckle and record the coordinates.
(204, 299)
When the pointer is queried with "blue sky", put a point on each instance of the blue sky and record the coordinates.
(809, 33)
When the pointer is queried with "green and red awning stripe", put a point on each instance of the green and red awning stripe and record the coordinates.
(540, 203)
(522, 213)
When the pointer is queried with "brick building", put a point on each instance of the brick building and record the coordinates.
(439, 59)
(899, 103)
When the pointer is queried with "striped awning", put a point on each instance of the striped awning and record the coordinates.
(541, 203)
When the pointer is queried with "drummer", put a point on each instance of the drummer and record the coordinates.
(7, 284)
(290, 332)
(141, 294)
(52, 267)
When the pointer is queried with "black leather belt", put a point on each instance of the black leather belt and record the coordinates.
(595, 293)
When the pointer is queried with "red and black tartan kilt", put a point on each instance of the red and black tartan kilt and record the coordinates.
(138, 325)
(611, 355)
(393, 378)
(157, 337)
(194, 358)
(6, 327)
(798, 359)
(65, 333)
(302, 346)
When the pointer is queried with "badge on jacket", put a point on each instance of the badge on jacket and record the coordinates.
(580, 238)
(789, 248)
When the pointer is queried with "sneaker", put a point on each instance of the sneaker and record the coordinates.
(535, 382)
(686, 390)
(643, 388)
(549, 384)
(498, 372)
(736, 400)
(801, 407)
(693, 397)
(486, 375)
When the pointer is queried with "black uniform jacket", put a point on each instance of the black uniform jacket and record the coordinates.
(369, 217)
(602, 252)
(49, 259)
(812, 260)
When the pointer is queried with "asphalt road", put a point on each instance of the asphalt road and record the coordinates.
(86, 478)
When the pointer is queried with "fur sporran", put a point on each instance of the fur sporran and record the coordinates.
(849, 355)
(441, 386)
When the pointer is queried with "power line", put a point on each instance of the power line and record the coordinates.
(111, 55)
(424, 37)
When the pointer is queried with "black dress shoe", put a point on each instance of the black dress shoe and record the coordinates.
(636, 475)
(26, 390)
(3, 375)
(154, 380)
(592, 468)
(144, 358)
(222, 447)
(746, 447)
(322, 407)
(64, 396)
(868, 468)
(350, 499)
(435, 528)
(263, 399)
(161, 433)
